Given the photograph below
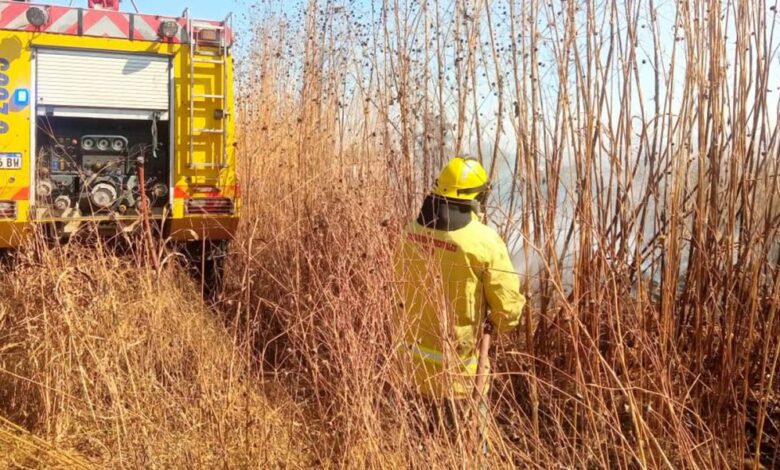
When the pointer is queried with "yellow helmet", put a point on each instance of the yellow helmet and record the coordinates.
(462, 178)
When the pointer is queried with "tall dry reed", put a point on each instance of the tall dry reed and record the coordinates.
(633, 146)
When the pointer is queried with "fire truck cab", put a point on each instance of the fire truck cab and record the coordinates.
(105, 114)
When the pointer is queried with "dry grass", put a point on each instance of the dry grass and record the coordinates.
(128, 369)
(639, 185)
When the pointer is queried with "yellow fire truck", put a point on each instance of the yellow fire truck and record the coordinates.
(105, 112)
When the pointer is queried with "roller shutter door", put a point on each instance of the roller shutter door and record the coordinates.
(87, 79)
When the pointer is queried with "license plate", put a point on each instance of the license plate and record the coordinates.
(10, 161)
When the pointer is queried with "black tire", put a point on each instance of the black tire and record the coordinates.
(7, 259)
(206, 264)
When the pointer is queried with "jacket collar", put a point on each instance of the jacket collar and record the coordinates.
(444, 214)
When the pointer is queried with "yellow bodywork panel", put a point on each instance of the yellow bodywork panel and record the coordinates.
(15, 134)
(201, 159)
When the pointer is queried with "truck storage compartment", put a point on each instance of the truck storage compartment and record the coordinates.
(97, 112)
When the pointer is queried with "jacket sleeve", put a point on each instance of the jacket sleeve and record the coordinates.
(502, 289)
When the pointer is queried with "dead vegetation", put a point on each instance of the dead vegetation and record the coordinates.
(634, 148)
(125, 368)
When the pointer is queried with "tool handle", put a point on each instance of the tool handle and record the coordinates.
(482, 365)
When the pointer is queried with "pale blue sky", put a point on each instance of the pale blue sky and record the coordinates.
(203, 9)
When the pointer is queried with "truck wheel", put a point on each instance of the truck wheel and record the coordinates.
(7, 259)
(206, 264)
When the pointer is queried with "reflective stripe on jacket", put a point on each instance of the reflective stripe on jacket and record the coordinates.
(448, 278)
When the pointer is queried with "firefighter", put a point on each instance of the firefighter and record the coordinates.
(453, 268)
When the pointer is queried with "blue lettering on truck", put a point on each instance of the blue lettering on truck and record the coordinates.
(4, 80)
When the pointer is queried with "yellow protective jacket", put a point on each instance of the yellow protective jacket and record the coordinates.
(450, 268)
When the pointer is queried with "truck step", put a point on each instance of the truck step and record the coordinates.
(208, 96)
(196, 165)
(209, 53)
(198, 60)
